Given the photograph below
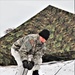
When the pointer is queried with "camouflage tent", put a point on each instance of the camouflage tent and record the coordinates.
(61, 43)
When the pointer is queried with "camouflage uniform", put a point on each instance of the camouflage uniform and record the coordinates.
(28, 46)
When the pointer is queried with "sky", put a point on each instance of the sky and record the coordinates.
(15, 12)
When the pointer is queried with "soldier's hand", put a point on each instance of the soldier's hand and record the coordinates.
(25, 64)
(30, 65)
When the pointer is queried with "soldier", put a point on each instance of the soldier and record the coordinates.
(28, 50)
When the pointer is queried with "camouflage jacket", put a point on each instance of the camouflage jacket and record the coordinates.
(30, 45)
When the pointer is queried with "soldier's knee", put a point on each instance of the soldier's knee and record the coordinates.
(12, 51)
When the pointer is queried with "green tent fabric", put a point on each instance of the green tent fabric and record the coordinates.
(61, 43)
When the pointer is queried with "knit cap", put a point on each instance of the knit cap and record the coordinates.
(45, 34)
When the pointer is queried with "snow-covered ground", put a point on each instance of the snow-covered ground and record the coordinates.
(59, 68)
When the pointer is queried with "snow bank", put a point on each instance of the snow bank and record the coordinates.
(60, 68)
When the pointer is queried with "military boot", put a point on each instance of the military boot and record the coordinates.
(35, 72)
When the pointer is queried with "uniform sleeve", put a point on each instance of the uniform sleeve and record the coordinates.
(18, 44)
(25, 49)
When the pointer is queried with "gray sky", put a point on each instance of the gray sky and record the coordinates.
(15, 12)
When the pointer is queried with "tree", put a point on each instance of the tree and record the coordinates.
(8, 30)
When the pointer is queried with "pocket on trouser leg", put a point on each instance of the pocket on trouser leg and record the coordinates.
(36, 67)
(40, 61)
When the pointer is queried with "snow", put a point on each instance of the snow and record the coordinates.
(59, 68)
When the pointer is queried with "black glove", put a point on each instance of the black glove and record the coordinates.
(25, 64)
(30, 65)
